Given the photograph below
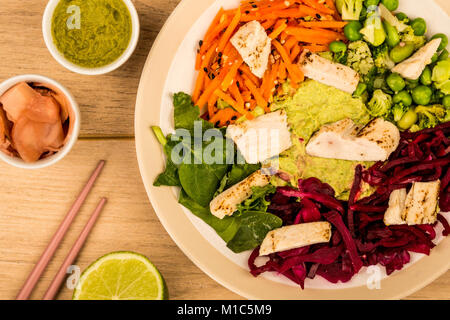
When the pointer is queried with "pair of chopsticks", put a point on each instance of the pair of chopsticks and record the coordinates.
(46, 256)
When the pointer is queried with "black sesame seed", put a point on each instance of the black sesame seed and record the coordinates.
(233, 118)
(254, 6)
(247, 12)
(213, 76)
(240, 72)
(205, 69)
(220, 54)
(217, 124)
(200, 43)
(238, 84)
(318, 16)
(219, 61)
(227, 123)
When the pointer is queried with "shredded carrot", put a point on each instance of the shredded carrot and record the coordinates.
(255, 92)
(229, 31)
(224, 75)
(323, 24)
(275, 33)
(318, 6)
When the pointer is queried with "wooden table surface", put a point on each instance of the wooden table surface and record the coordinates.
(32, 203)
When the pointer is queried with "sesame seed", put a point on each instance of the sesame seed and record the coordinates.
(248, 104)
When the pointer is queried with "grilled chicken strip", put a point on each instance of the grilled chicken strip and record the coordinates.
(344, 140)
(225, 204)
(295, 236)
(328, 72)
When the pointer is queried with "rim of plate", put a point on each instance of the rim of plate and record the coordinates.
(183, 232)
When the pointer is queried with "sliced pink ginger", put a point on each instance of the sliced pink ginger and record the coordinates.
(60, 98)
(43, 109)
(16, 100)
(32, 139)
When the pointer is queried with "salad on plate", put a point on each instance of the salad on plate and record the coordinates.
(316, 137)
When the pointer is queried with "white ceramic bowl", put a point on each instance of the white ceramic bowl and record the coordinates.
(48, 38)
(17, 162)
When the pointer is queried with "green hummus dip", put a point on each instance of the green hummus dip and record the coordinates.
(313, 105)
(91, 33)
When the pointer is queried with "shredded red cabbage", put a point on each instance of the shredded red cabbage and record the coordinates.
(360, 237)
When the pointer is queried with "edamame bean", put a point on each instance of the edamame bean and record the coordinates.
(444, 40)
(425, 77)
(402, 17)
(420, 26)
(408, 119)
(395, 82)
(369, 3)
(351, 30)
(444, 55)
(337, 47)
(403, 97)
(392, 36)
(446, 101)
(401, 52)
(391, 5)
(422, 95)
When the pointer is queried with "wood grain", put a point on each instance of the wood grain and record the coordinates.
(106, 101)
(34, 202)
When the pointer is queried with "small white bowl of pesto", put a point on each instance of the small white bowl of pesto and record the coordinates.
(91, 37)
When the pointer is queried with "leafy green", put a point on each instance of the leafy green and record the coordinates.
(254, 226)
(257, 202)
(185, 113)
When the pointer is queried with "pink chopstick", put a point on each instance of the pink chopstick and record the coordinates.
(40, 266)
(73, 253)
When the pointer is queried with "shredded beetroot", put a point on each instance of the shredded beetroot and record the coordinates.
(360, 237)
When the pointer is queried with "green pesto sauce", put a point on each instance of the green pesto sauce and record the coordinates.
(102, 37)
(313, 105)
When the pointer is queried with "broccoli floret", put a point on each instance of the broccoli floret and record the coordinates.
(373, 30)
(359, 57)
(408, 36)
(382, 60)
(430, 116)
(444, 87)
(398, 111)
(349, 9)
(380, 104)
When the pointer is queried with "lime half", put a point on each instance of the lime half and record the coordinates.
(121, 276)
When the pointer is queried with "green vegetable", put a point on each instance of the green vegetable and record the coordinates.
(444, 40)
(257, 201)
(359, 58)
(360, 90)
(185, 114)
(379, 82)
(392, 35)
(380, 104)
(398, 111)
(425, 77)
(402, 17)
(441, 71)
(369, 3)
(402, 97)
(373, 30)
(363, 14)
(351, 30)
(422, 95)
(337, 46)
(444, 87)
(420, 26)
(444, 55)
(254, 227)
(408, 36)
(401, 52)
(395, 82)
(411, 84)
(446, 101)
(383, 61)
(222, 104)
(408, 119)
(391, 5)
(349, 9)
(430, 116)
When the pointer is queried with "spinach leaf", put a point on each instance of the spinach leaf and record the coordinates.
(257, 201)
(239, 172)
(254, 226)
(185, 113)
(169, 177)
(226, 228)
